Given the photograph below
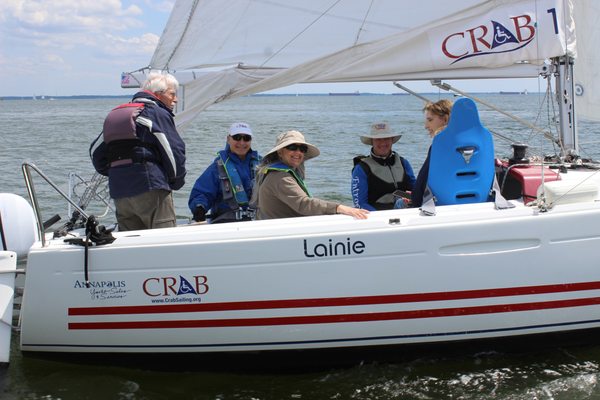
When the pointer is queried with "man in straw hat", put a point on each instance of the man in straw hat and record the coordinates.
(281, 191)
(381, 179)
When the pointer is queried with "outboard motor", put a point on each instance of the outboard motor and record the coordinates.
(18, 228)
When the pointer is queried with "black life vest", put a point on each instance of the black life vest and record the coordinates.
(384, 176)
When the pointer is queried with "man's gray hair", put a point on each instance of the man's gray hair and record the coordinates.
(158, 82)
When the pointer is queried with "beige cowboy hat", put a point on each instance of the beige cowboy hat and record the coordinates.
(294, 137)
(380, 130)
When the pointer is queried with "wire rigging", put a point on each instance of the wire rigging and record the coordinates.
(300, 33)
(363, 23)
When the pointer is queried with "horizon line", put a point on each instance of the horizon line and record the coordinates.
(82, 96)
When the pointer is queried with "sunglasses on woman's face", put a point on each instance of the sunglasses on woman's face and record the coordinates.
(293, 147)
(239, 136)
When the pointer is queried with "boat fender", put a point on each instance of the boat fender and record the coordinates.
(8, 266)
(18, 227)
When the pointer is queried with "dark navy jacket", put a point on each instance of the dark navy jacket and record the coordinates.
(158, 164)
(421, 184)
(207, 191)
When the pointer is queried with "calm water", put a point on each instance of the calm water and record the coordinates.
(55, 135)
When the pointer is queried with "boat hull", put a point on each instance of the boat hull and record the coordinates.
(320, 282)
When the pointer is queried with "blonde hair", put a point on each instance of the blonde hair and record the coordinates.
(440, 108)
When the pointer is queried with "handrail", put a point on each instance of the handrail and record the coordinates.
(17, 271)
(446, 86)
(25, 168)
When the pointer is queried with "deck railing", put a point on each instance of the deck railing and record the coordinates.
(27, 167)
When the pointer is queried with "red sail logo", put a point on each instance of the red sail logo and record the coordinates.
(487, 39)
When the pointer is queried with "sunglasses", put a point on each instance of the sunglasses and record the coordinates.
(293, 147)
(239, 136)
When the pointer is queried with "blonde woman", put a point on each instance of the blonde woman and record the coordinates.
(436, 118)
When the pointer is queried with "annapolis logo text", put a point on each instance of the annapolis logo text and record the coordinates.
(104, 290)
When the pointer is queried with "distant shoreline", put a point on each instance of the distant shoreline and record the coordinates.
(76, 97)
(128, 96)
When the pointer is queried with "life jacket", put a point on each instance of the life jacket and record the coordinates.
(384, 177)
(119, 132)
(232, 188)
(285, 168)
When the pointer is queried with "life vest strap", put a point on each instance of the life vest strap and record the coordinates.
(122, 152)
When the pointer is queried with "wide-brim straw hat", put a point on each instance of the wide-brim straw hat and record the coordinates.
(380, 130)
(291, 137)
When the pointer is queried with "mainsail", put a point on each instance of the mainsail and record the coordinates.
(587, 72)
(248, 46)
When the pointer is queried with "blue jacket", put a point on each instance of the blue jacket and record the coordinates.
(360, 184)
(207, 191)
(159, 162)
(421, 184)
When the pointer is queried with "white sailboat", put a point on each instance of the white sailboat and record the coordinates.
(465, 271)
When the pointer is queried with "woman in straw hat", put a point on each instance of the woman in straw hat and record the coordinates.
(281, 192)
(377, 179)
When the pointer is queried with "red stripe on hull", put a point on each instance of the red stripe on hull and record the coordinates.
(340, 318)
(336, 301)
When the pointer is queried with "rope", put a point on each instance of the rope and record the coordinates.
(95, 234)
(300, 33)
(400, 86)
(363, 23)
(446, 86)
(86, 273)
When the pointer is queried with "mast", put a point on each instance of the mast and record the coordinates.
(565, 96)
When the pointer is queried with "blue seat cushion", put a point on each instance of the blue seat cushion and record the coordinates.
(461, 168)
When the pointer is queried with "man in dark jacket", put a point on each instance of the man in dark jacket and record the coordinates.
(143, 156)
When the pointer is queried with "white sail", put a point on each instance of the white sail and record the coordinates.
(282, 33)
(263, 45)
(587, 72)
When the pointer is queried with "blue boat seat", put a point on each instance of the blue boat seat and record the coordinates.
(461, 164)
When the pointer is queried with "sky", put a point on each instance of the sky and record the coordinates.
(80, 47)
(73, 47)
